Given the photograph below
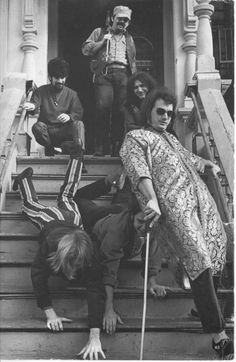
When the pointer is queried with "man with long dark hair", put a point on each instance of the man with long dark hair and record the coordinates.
(165, 178)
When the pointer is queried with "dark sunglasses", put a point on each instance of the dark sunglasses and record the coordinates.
(162, 111)
(123, 19)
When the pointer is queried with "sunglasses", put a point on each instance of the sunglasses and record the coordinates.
(123, 19)
(162, 111)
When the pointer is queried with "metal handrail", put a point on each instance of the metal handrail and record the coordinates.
(227, 215)
(13, 142)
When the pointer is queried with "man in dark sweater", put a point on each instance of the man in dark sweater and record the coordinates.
(119, 229)
(59, 108)
(65, 250)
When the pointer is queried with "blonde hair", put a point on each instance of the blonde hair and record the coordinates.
(74, 251)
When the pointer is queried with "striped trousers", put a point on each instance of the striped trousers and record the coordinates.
(66, 210)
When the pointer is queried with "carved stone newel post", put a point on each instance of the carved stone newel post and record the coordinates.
(29, 45)
(205, 59)
(190, 43)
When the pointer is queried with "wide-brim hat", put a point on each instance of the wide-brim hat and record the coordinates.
(122, 11)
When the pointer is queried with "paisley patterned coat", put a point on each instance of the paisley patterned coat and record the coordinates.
(190, 224)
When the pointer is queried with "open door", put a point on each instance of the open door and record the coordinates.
(78, 18)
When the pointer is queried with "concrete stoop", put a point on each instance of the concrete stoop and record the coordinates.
(171, 334)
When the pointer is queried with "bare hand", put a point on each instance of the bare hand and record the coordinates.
(54, 322)
(107, 37)
(28, 106)
(215, 169)
(63, 118)
(110, 320)
(158, 290)
(201, 167)
(152, 212)
(92, 348)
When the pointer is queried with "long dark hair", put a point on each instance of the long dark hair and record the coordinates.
(150, 100)
(143, 77)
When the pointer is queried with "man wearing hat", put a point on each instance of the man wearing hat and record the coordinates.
(113, 59)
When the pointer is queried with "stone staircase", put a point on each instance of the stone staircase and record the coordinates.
(170, 333)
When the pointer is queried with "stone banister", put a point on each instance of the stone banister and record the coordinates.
(205, 58)
(190, 45)
(190, 48)
(29, 44)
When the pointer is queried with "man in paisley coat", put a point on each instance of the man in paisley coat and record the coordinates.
(166, 181)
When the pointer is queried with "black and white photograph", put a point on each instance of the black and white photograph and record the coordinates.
(117, 180)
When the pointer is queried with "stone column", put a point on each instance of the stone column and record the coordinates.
(190, 64)
(190, 38)
(205, 59)
(190, 48)
(29, 44)
(206, 74)
(3, 40)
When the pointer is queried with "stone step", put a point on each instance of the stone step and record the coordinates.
(15, 223)
(13, 200)
(128, 302)
(22, 249)
(57, 164)
(52, 183)
(16, 277)
(165, 339)
(18, 251)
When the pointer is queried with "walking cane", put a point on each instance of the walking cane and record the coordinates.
(145, 291)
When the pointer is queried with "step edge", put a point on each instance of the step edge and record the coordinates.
(80, 325)
(120, 291)
(37, 176)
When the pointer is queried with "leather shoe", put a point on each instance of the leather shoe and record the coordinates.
(224, 348)
(28, 172)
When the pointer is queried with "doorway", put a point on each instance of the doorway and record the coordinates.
(78, 18)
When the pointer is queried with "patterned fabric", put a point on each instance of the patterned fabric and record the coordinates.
(67, 209)
(117, 52)
(190, 224)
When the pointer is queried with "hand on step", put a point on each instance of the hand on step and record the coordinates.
(157, 290)
(110, 320)
(93, 348)
(54, 322)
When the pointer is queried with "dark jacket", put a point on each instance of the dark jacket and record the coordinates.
(91, 213)
(91, 276)
(119, 237)
(132, 118)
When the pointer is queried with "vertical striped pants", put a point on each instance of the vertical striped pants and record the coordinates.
(66, 210)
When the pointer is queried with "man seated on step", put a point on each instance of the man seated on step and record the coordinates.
(65, 249)
(119, 230)
(59, 108)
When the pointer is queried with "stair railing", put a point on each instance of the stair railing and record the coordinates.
(226, 216)
(9, 155)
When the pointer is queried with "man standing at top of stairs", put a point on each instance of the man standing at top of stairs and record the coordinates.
(113, 59)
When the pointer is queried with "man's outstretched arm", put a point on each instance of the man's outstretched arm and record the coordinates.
(40, 273)
(111, 317)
